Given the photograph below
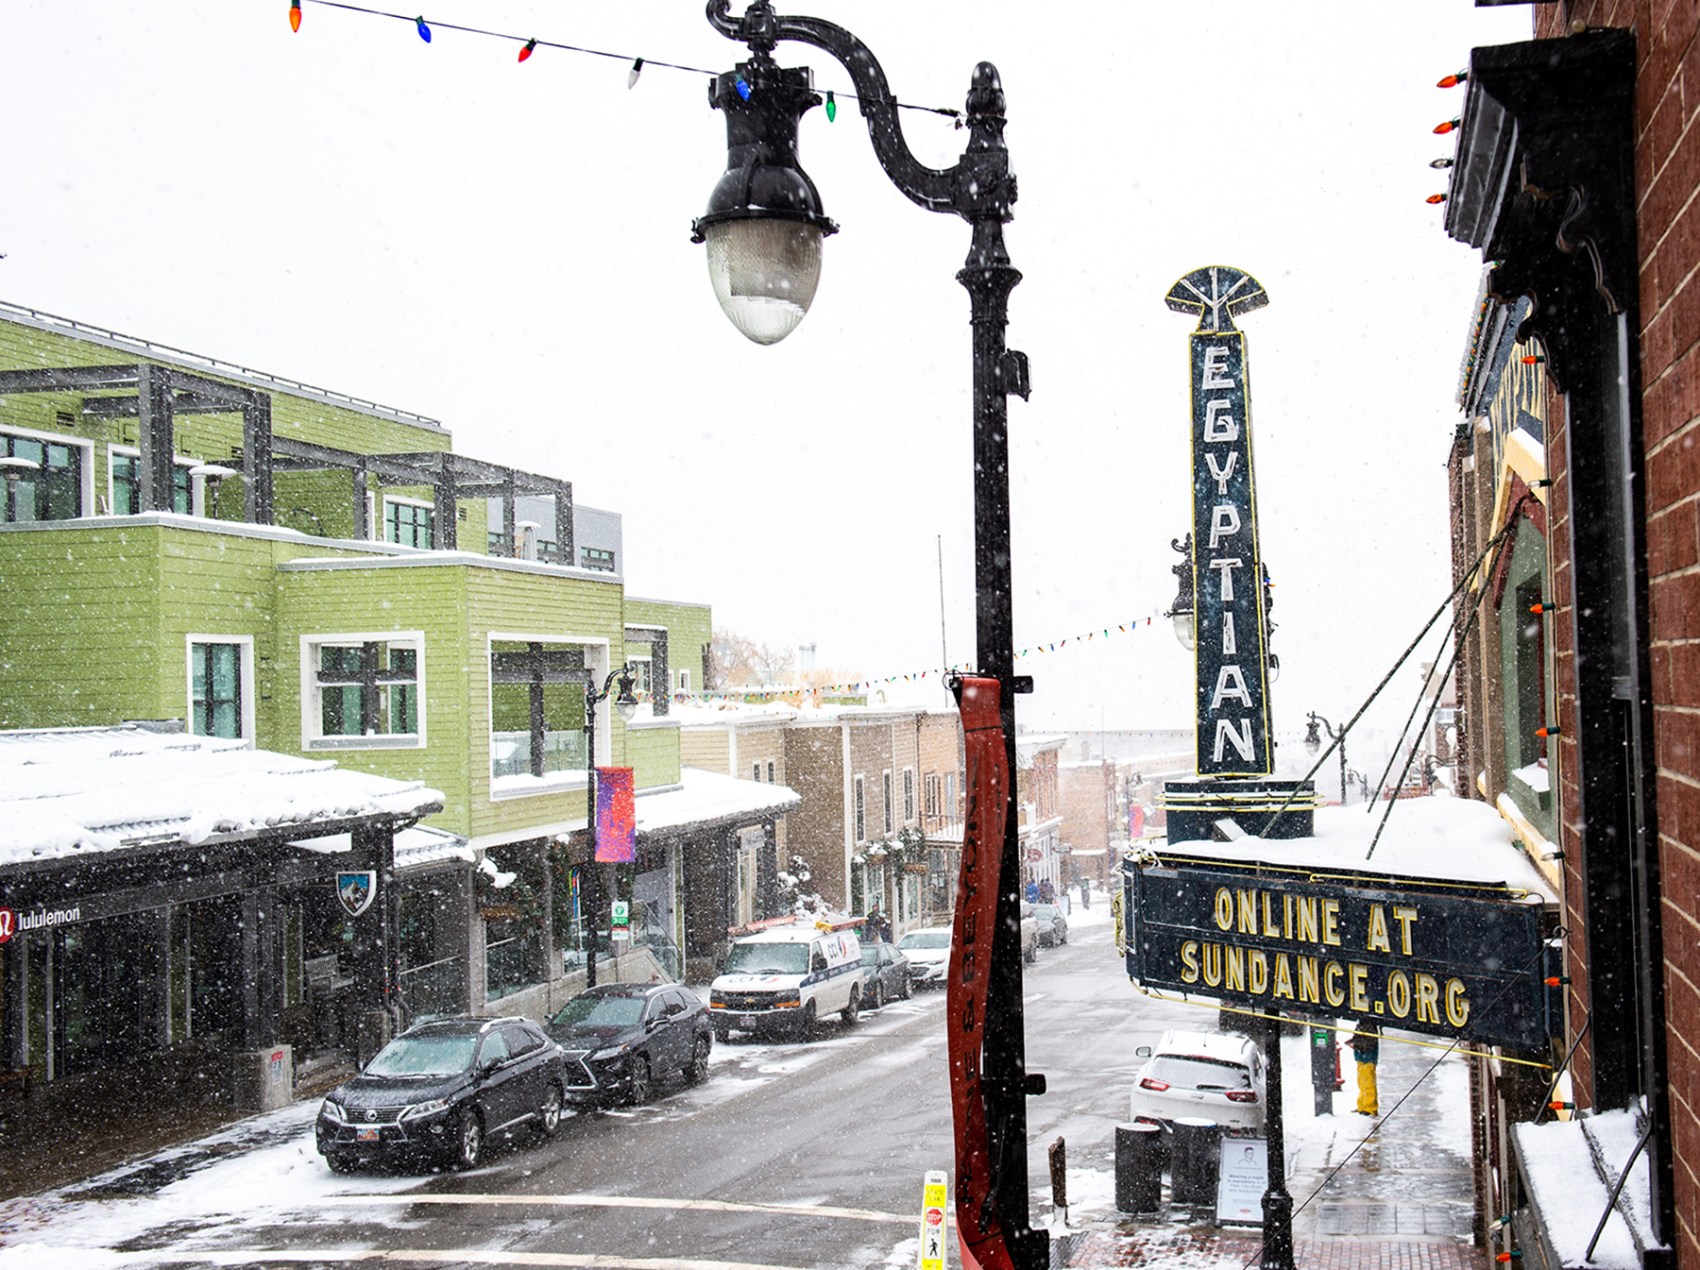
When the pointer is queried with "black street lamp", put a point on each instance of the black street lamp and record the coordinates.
(763, 229)
(626, 703)
(1313, 743)
(1181, 611)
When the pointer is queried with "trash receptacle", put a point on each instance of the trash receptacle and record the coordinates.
(1197, 1161)
(1139, 1168)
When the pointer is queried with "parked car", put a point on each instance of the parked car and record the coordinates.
(440, 1090)
(1052, 925)
(928, 952)
(885, 973)
(1214, 1075)
(620, 1038)
(1029, 933)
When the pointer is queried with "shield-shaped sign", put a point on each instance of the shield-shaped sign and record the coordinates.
(355, 888)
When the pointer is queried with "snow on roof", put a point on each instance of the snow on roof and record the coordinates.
(77, 791)
(1559, 1164)
(414, 846)
(1454, 839)
(708, 796)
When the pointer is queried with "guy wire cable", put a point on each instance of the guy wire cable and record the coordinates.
(1445, 605)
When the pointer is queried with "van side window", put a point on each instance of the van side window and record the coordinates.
(818, 960)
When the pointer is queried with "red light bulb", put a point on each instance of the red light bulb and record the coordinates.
(1435, 198)
(295, 15)
(1441, 129)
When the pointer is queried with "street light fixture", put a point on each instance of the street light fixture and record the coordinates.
(1313, 743)
(625, 704)
(1181, 611)
(768, 254)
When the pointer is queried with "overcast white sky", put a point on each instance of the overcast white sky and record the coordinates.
(506, 248)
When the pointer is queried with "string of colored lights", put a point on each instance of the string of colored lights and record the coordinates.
(799, 692)
(530, 44)
(1441, 129)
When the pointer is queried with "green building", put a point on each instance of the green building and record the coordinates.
(186, 540)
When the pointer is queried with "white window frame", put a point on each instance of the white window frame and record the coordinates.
(909, 795)
(311, 713)
(244, 670)
(383, 524)
(196, 484)
(684, 681)
(596, 662)
(75, 443)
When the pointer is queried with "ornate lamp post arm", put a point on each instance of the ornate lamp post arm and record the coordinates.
(981, 189)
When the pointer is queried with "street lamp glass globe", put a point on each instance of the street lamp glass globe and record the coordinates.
(764, 271)
(1186, 629)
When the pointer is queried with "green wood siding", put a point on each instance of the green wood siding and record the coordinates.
(690, 627)
(653, 755)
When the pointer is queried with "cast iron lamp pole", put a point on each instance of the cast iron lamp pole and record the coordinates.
(1313, 743)
(625, 703)
(763, 229)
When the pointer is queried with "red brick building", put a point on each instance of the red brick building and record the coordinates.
(1576, 478)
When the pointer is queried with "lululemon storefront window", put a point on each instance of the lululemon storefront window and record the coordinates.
(432, 941)
(512, 892)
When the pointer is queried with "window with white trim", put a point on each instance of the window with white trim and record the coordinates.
(885, 783)
(123, 475)
(362, 691)
(861, 813)
(537, 714)
(51, 490)
(908, 795)
(408, 521)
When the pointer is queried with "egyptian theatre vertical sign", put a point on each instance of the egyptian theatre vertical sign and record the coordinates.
(1227, 576)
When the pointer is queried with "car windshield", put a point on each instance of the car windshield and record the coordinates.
(600, 1011)
(1045, 913)
(925, 939)
(767, 959)
(1196, 1072)
(439, 1055)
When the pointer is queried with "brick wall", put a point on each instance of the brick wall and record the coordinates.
(1667, 172)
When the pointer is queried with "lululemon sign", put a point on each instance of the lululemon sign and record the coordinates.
(1227, 577)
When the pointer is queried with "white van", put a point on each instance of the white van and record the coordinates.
(784, 978)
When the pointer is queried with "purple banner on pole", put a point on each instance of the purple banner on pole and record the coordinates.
(616, 817)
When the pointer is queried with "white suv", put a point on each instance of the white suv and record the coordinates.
(1209, 1075)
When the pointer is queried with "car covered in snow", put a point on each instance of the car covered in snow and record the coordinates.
(441, 1090)
(1209, 1075)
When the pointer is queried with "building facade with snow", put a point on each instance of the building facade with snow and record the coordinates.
(1574, 485)
(310, 573)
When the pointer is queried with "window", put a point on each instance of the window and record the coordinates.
(861, 813)
(537, 708)
(755, 773)
(126, 484)
(361, 691)
(52, 490)
(219, 674)
(684, 681)
(885, 784)
(596, 558)
(933, 794)
(408, 522)
(770, 773)
(643, 676)
(908, 795)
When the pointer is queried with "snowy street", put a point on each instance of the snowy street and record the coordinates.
(789, 1156)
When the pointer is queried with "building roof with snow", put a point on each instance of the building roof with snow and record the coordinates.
(67, 792)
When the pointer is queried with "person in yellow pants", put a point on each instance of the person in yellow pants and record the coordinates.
(1366, 1049)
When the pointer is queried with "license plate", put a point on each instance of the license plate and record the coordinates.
(366, 1135)
(748, 1021)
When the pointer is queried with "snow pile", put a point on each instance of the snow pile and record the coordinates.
(1559, 1163)
(77, 791)
(1451, 839)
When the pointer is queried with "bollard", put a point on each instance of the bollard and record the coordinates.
(1139, 1168)
(1197, 1161)
(1058, 1155)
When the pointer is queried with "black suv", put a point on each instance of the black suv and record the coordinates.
(620, 1038)
(440, 1089)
